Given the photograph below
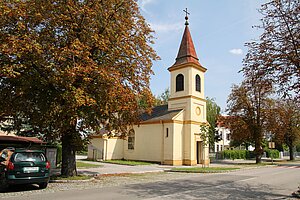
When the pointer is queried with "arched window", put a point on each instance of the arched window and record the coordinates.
(131, 139)
(198, 83)
(179, 82)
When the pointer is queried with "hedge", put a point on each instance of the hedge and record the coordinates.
(272, 153)
(237, 154)
(245, 154)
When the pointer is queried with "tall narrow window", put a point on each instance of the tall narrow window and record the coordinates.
(167, 132)
(198, 83)
(131, 138)
(179, 83)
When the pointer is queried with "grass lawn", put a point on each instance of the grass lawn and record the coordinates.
(86, 165)
(128, 162)
(204, 169)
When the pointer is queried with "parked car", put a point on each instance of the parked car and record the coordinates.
(23, 166)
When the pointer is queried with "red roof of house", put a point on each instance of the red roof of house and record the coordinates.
(7, 138)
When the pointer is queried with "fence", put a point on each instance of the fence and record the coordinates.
(287, 154)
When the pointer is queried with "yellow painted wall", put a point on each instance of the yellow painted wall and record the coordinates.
(114, 149)
(168, 142)
(95, 143)
(148, 143)
(178, 141)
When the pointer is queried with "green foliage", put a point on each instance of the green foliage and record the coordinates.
(59, 154)
(212, 114)
(298, 147)
(163, 98)
(70, 66)
(272, 153)
(237, 154)
(86, 165)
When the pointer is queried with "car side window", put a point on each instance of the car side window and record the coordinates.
(4, 155)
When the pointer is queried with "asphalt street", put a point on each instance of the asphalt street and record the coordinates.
(259, 183)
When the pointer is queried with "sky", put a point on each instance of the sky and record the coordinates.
(219, 29)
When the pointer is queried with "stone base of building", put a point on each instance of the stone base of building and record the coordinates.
(185, 162)
(205, 162)
(172, 162)
(190, 162)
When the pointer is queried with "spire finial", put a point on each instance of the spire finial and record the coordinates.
(186, 16)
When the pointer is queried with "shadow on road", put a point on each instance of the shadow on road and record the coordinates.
(202, 188)
(20, 188)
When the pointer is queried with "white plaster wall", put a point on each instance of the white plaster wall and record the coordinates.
(223, 142)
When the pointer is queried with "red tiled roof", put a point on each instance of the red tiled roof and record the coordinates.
(7, 138)
(187, 52)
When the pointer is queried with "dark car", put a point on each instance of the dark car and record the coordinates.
(23, 166)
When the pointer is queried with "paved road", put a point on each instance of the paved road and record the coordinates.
(261, 183)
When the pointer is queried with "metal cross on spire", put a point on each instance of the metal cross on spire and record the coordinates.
(186, 16)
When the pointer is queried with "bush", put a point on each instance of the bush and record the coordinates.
(59, 155)
(272, 153)
(298, 147)
(236, 154)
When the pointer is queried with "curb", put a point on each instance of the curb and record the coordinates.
(127, 173)
(104, 175)
(71, 181)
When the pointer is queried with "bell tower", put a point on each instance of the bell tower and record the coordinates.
(187, 80)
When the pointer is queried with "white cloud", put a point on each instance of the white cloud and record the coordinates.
(236, 51)
(143, 3)
(166, 27)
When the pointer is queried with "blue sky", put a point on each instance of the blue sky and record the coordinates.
(219, 30)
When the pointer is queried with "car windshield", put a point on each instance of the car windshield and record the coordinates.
(29, 156)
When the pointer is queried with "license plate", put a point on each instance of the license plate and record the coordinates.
(30, 169)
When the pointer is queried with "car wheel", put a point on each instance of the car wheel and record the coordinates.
(43, 185)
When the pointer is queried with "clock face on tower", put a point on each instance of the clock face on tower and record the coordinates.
(198, 110)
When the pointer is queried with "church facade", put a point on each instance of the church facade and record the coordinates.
(171, 133)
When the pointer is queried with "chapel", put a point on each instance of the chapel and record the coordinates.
(171, 134)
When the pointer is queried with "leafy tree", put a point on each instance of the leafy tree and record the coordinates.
(276, 54)
(67, 66)
(212, 114)
(204, 135)
(248, 105)
(284, 122)
(163, 98)
(240, 134)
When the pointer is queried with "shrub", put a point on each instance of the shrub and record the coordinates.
(298, 147)
(59, 155)
(272, 153)
(236, 154)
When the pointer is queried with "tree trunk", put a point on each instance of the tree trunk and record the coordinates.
(68, 167)
(291, 149)
(258, 152)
